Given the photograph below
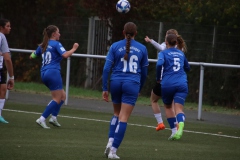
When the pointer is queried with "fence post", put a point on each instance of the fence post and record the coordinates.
(200, 92)
(90, 50)
(213, 43)
(160, 32)
(67, 79)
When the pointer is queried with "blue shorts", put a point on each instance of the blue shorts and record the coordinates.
(52, 79)
(176, 93)
(123, 91)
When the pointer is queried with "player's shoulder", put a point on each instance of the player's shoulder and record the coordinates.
(173, 49)
(117, 43)
(54, 42)
(180, 51)
(139, 44)
(139, 47)
(164, 51)
(2, 36)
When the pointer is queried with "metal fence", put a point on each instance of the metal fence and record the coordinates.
(211, 44)
(208, 46)
(202, 66)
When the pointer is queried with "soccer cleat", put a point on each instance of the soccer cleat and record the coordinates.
(107, 150)
(160, 126)
(2, 120)
(112, 155)
(54, 122)
(171, 137)
(42, 124)
(179, 133)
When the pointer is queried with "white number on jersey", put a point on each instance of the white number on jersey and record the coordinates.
(47, 59)
(132, 65)
(176, 66)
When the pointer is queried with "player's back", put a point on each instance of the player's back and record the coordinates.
(131, 68)
(52, 57)
(173, 67)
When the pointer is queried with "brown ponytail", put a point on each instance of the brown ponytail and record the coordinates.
(181, 43)
(130, 30)
(127, 46)
(47, 33)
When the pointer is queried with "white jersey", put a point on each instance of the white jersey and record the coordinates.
(159, 47)
(3, 48)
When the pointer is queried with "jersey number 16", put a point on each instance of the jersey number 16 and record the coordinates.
(132, 64)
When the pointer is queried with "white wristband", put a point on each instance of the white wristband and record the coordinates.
(11, 77)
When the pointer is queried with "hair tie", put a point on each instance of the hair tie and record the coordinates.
(131, 34)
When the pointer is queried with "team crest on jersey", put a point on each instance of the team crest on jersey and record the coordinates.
(62, 49)
(49, 47)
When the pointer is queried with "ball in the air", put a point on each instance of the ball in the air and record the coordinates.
(123, 6)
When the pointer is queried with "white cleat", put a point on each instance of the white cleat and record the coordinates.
(42, 124)
(107, 150)
(112, 155)
(171, 137)
(54, 122)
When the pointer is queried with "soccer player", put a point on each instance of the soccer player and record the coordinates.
(156, 91)
(52, 52)
(5, 56)
(174, 81)
(128, 60)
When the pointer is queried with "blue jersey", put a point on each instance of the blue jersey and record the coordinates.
(174, 65)
(137, 58)
(122, 69)
(52, 57)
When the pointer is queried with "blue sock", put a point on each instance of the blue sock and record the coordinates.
(180, 117)
(113, 126)
(172, 122)
(50, 107)
(57, 109)
(119, 134)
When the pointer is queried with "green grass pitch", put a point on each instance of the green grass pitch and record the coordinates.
(83, 136)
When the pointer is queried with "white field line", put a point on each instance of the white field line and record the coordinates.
(88, 119)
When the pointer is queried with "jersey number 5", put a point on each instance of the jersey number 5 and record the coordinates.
(132, 65)
(176, 66)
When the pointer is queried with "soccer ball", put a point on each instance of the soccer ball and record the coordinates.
(123, 6)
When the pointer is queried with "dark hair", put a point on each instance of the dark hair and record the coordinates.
(130, 30)
(47, 33)
(3, 22)
(172, 39)
(181, 43)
